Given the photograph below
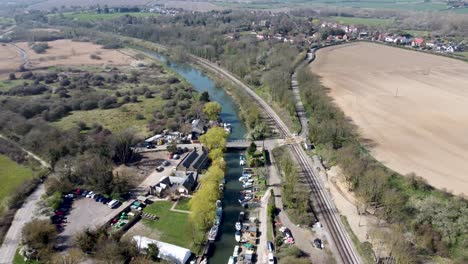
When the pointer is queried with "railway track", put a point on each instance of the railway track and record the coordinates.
(327, 209)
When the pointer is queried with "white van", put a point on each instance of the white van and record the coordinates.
(112, 204)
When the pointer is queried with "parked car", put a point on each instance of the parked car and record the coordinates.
(271, 258)
(318, 243)
(90, 194)
(159, 168)
(270, 246)
(176, 156)
(166, 163)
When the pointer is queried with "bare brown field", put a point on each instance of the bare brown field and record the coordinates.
(10, 59)
(412, 106)
(66, 52)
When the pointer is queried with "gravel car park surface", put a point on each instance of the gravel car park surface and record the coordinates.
(86, 213)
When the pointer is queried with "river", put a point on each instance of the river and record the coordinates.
(225, 244)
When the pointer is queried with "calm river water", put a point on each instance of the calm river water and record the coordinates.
(224, 246)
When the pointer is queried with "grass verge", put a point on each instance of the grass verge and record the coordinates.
(364, 249)
(20, 260)
(12, 175)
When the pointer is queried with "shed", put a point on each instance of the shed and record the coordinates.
(169, 252)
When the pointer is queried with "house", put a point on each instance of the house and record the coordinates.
(417, 42)
(162, 188)
(198, 129)
(181, 182)
(195, 161)
(184, 182)
(168, 252)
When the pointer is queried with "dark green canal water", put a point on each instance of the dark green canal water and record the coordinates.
(224, 246)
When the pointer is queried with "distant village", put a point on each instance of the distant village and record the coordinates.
(334, 32)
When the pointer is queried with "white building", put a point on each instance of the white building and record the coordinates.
(169, 252)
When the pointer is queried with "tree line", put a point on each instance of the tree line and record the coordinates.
(436, 221)
(203, 202)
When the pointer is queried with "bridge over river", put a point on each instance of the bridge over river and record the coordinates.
(267, 143)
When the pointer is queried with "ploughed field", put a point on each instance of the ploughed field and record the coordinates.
(412, 106)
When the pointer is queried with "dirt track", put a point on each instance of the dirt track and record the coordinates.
(424, 128)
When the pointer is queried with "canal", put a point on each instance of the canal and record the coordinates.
(225, 244)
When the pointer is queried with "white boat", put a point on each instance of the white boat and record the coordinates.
(247, 185)
(238, 236)
(231, 260)
(235, 254)
(238, 226)
(218, 220)
(242, 163)
(213, 233)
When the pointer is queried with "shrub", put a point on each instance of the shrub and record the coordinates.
(140, 116)
(108, 102)
(40, 47)
(172, 80)
(95, 57)
(148, 94)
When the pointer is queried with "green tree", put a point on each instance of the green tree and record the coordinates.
(214, 138)
(212, 110)
(41, 236)
(172, 147)
(252, 148)
(205, 97)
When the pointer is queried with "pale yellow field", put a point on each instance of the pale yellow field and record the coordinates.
(10, 59)
(66, 52)
(423, 128)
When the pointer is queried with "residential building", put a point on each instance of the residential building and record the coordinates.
(195, 161)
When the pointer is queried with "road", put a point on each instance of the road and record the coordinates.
(23, 215)
(326, 210)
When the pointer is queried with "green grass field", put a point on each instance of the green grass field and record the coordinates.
(183, 204)
(174, 226)
(117, 119)
(363, 21)
(11, 176)
(95, 16)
